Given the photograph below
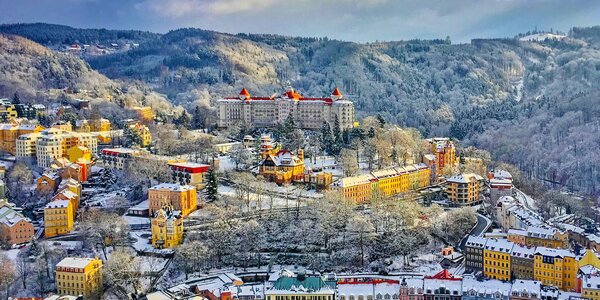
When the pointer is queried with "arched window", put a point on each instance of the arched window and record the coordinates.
(378, 297)
(387, 297)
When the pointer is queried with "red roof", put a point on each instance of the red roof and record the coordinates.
(244, 92)
(444, 274)
(293, 95)
(336, 92)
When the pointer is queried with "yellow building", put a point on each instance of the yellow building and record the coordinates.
(52, 143)
(556, 267)
(464, 189)
(180, 197)
(144, 133)
(9, 132)
(392, 181)
(496, 259)
(99, 125)
(283, 167)
(78, 152)
(167, 228)
(145, 113)
(445, 153)
(58, 218)
(79, 276)
(8, 112)
(537, 236)
(590, 288)
(589, 259)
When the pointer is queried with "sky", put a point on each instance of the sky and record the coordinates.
(351, 20)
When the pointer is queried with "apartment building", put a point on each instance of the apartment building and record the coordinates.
(464, 189)
(180, 197)
(77, 276)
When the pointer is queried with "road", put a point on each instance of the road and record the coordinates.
(483, 224)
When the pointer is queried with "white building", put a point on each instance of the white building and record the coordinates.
(307, 113)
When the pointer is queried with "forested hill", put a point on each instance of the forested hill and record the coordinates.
(530, 103)
(52, 34)
(41, 75)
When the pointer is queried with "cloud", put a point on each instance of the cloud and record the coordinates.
(354, 20)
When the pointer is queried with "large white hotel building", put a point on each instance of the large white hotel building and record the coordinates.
(307, 113)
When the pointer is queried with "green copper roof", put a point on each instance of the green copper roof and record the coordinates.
(309, 282)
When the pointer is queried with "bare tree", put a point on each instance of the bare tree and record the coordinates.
(101, 229)
(122, 274)
(192, 257)
(7, 273)
(363, 228)
(349, 162)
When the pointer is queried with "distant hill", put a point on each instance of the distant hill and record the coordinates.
(532, 103)
(40, 75)
(51, 34)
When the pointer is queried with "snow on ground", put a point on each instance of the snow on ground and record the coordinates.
(541, 37)
(142, 240)
(11, 254)
(152, 263)
(106, 199)
(133, 220)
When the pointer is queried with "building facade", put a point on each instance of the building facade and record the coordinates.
(464, 189)
(51, 144)
(58, 218)
(188, 173)
(521, 262)
(180, 197)
(79, 276)
(307, 113)
(167, 228)
(591, 287)
(14, 227)
(474, 254)
(539, 236)
(9, 132)
(290, 286)
(392, 181)
(556, 267)
(444, 154)
(496, 259)
(501, 184)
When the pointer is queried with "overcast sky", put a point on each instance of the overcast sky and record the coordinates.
(354, 20)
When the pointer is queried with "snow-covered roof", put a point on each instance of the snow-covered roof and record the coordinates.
(485, 287)
(172, 187)
(9, 216)
(58, 204)
(465, 178)
(591, 282)
(522, 252)
(74, 262)
(499, 245)
(476, 242)
(367, 288)
(554, 252)
(526, 287)
(502, 174)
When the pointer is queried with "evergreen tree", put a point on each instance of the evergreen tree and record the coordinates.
(131, 137)
(183, 120)
(211, 186)
(381, 120)
(197, 118)
(326, 137)
(16, 99)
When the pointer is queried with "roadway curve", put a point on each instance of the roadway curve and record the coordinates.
(483, 224)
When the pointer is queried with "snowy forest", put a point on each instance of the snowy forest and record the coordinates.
(530, 103)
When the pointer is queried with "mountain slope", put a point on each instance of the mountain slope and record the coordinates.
(39, 75)
(530, 103)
